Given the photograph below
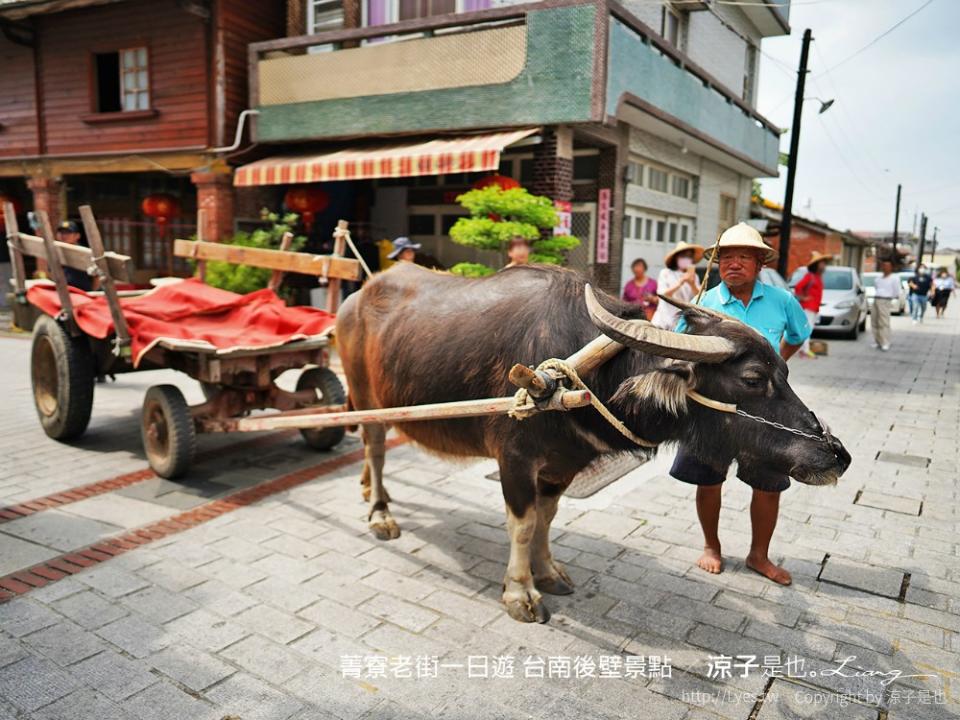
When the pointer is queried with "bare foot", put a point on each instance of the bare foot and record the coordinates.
(769, 570)
(711, 560)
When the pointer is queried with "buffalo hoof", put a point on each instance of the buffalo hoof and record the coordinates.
(383, 526)
(556, 582)
(528, 608)
(554, 585)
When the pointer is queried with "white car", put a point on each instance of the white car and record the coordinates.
(899, 306)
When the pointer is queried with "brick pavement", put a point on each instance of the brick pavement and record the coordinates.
(258, 612)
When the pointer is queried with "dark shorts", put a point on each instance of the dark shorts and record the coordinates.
(687, 468)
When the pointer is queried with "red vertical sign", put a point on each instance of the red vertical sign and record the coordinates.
(603, 225)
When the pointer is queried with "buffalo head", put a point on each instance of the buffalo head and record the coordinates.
(724, 360)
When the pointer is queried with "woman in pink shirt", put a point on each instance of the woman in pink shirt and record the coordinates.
(641, 290)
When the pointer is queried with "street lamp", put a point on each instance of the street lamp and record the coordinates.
(824, 104)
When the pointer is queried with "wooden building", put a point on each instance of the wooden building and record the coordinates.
(112, 101)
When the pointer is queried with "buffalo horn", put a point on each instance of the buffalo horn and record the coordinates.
(642, 335)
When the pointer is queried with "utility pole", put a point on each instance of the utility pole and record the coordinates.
(896, 228)
(786, 220)
(933, 253)
(923, 239)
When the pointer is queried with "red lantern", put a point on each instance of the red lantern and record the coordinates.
(306, 201)
(504, 182)
(161, 207)
(4, 198)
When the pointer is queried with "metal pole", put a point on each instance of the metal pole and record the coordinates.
(933, 252)
(923, 239)
(896, 229)
(787, 217)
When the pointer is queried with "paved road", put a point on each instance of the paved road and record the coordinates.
(281, 606)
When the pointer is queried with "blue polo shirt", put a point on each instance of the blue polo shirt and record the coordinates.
(772, 311)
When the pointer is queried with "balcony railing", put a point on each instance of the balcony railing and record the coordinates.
(536, 63)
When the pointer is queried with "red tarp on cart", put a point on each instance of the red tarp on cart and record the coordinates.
(193, 316)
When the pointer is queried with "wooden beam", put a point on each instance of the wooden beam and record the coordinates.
(339, 246)
(77, 256)
(413, 413)
(286, 261)
(56, 272)
(277, 277)
(16, 253)
(120, 328)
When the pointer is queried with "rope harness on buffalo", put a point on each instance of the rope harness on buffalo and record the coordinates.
(525, 405)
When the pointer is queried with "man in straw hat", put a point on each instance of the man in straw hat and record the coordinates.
(777, 316)
(809, 292)
(677, 280)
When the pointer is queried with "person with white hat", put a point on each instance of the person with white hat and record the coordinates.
(777, 316)
(809, 292)
(677, 280)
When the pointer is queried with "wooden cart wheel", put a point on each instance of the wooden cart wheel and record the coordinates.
(329, 392)
(62, 373)
(169, 437)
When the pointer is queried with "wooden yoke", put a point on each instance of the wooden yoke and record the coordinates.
(107, 284)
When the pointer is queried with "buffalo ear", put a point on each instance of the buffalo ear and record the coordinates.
(664, 389)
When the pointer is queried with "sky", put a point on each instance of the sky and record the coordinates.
(896, 116)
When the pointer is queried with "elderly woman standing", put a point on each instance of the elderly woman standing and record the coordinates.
(640, 289)
(677, 280)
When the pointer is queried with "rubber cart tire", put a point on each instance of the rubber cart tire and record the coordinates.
(166, 426)
(329, 392)
(62, 374)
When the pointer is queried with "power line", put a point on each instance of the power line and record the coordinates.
(878, 37)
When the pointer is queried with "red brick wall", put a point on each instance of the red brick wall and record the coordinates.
(804, 242)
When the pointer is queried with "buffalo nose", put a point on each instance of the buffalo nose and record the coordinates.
(843, 457)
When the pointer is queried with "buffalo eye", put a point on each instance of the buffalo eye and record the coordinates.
(754, 381)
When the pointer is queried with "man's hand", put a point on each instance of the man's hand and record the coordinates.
(787, 350)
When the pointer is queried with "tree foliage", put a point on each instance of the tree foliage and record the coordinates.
(244, 278)
(497, 216)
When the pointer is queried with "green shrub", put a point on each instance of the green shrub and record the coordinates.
(244, 278)
(497, 216)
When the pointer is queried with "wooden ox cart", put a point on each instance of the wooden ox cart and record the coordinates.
(65, 360)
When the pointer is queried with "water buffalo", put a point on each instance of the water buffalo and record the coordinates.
(414, 336)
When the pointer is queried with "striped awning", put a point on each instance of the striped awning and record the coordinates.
(474, 153)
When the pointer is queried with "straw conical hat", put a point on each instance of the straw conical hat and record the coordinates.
(743, 235)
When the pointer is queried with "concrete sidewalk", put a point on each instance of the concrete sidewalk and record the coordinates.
(285, 607)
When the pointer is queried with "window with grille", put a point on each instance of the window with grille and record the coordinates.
(324, 15)
(383, 12)
(671, 26)
(728, 212)
(122, 81)
(681, 187)
(658, 179)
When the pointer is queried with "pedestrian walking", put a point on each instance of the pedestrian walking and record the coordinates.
(640, 289)
(775, 314)
(943, 287)
(920, 285)
(677, 280)
(886, 290)
(809, 292)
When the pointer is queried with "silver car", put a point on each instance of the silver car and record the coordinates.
(899, 305)
(843, 309)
